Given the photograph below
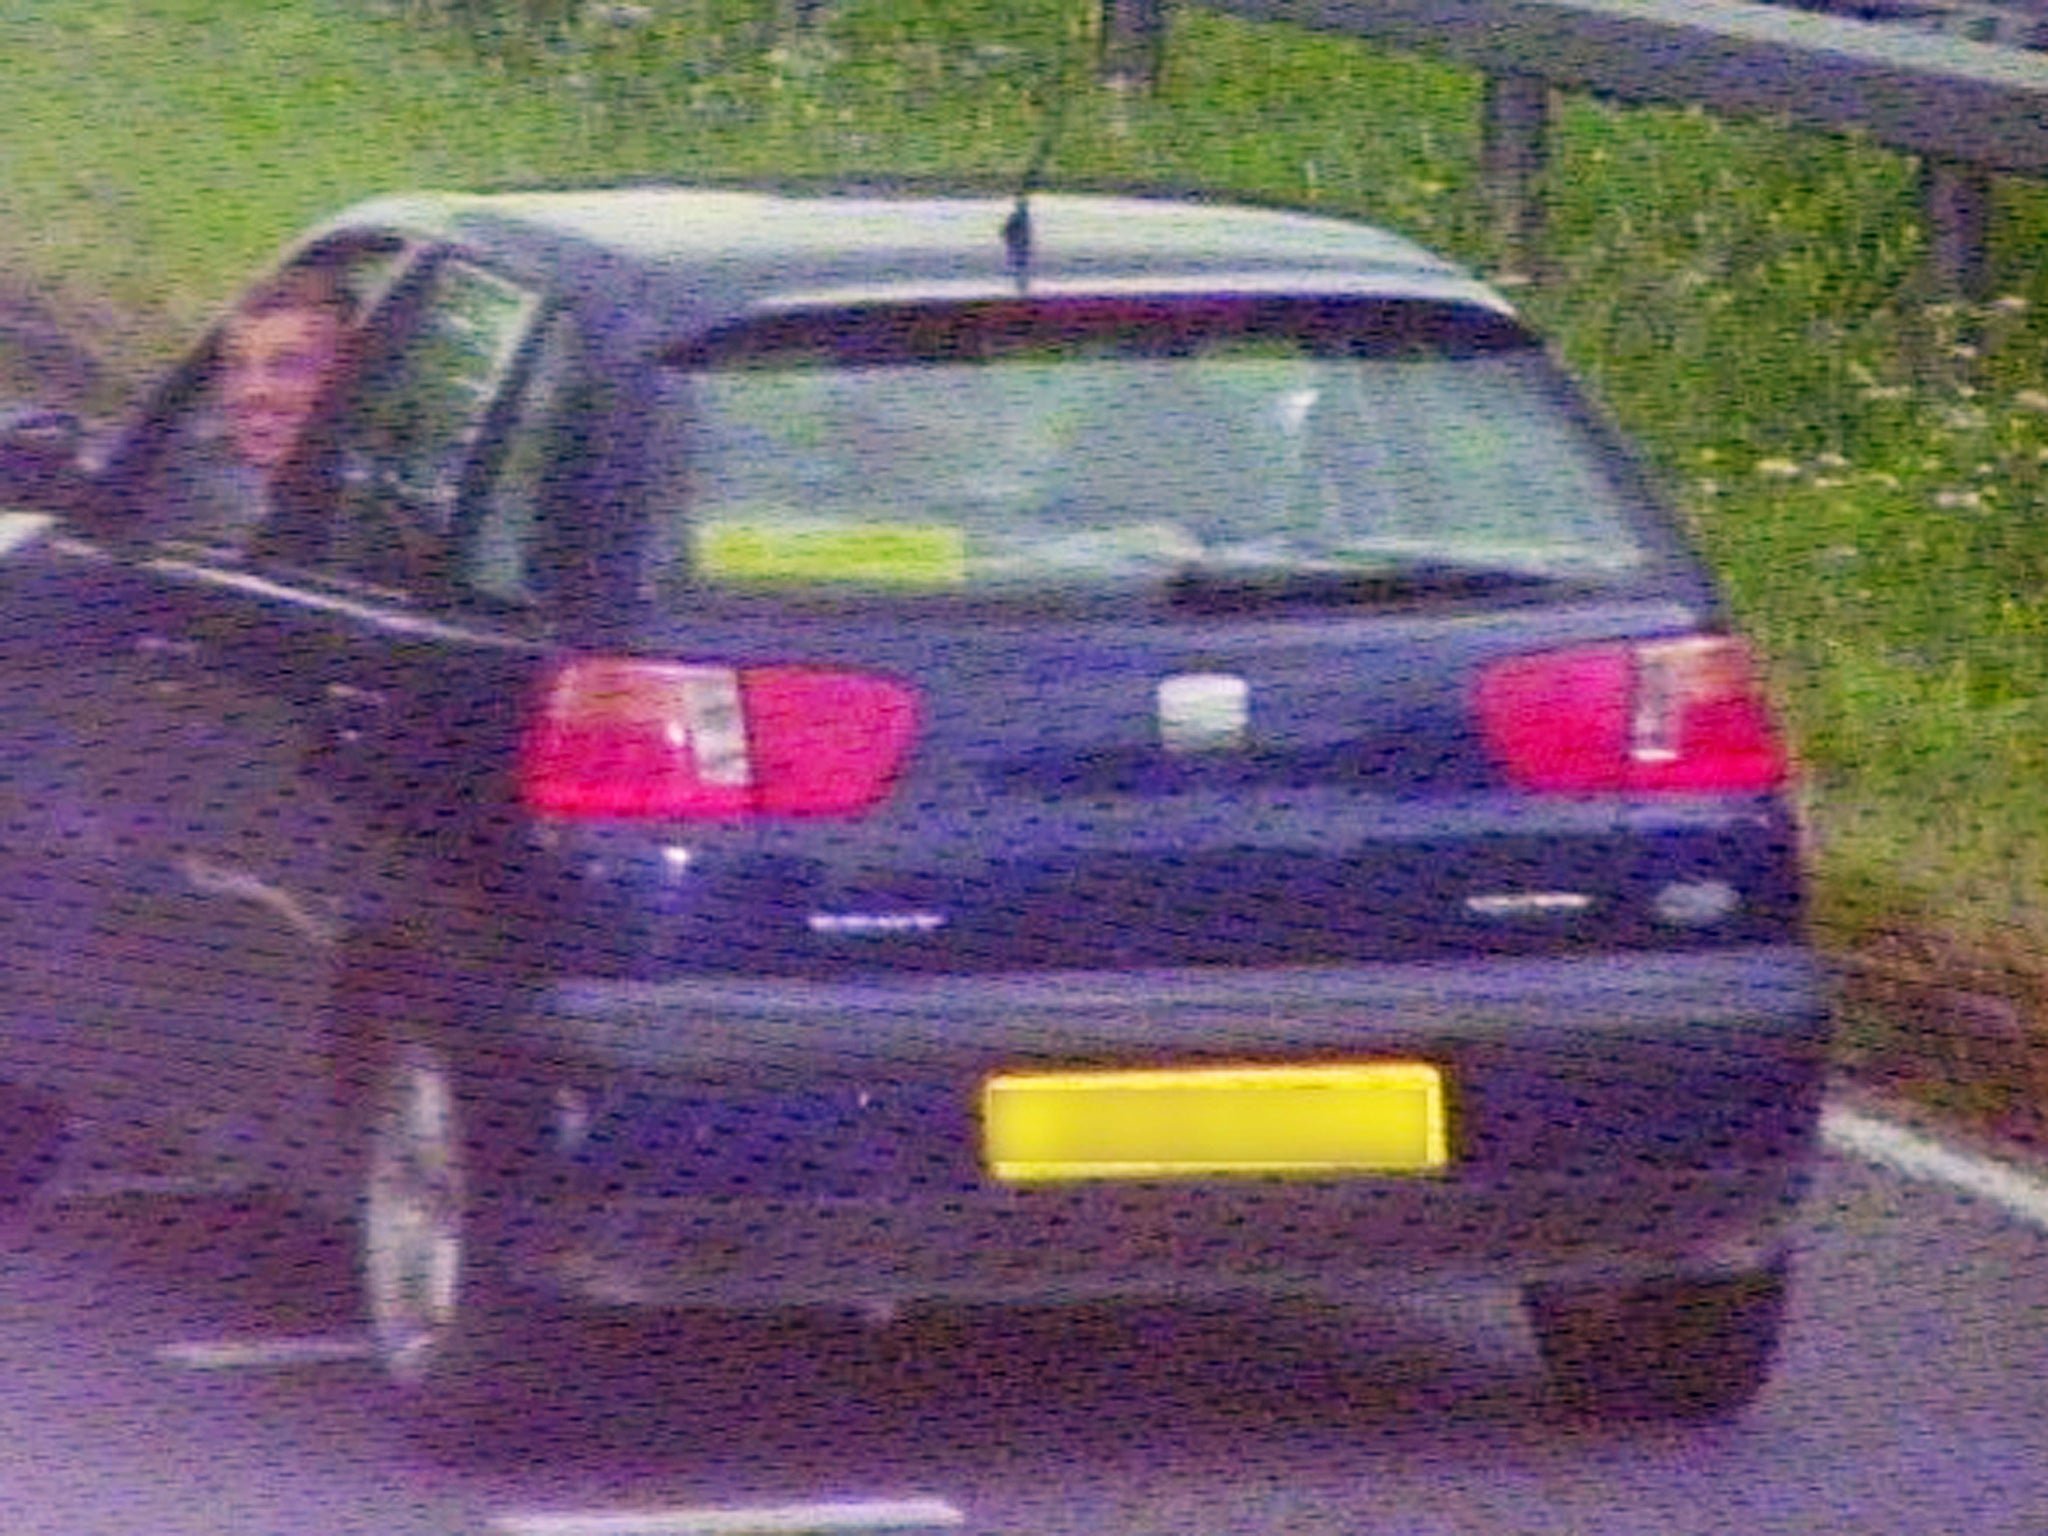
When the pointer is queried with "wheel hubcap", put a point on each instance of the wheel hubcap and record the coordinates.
(413, 1223)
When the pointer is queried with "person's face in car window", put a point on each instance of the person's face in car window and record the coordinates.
(276, 362)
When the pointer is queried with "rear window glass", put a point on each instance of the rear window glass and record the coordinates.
(1128, 457)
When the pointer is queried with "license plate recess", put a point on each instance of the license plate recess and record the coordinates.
(1327, 1119)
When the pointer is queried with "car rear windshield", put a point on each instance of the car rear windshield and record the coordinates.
(1041, 447)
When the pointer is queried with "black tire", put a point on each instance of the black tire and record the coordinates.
(1691, 1349)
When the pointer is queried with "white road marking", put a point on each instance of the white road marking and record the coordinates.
(20, 527)
(266, 1353)
(766, 1520)
(1922, 1157)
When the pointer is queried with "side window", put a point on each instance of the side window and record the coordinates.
(498, 558)
(235, 420)
(407, 445)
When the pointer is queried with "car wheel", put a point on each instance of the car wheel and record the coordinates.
(1692, 1349)
(469, 1353)
(415, 1209)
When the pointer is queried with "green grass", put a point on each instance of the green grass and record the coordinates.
(154, 151)
(1864, 465)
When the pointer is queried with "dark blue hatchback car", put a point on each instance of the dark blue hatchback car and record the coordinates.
(701, 747)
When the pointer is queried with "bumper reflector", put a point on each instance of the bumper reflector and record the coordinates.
(1335, 1119)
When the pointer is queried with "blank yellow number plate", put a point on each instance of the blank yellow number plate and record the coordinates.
(1373, 1117)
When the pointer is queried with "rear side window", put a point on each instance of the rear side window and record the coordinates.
(411, 436)
(1109, 453)
(498, 560)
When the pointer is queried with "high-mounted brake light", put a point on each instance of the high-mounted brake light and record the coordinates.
(1678, 716)
(642, 739)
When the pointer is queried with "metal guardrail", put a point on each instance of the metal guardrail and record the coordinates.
(1969, 108)
(2015, 23)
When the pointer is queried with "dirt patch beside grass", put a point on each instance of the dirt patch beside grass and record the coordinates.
(1961, 1033)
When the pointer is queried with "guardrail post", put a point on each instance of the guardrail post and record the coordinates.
(793, 16)
(1133, 42)
(1514, 150)
(1957, 199)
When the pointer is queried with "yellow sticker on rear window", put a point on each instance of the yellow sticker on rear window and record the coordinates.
(890, 554)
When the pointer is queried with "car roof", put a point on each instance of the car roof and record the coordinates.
(687, 257)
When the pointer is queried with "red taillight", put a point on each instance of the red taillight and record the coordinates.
(1681, 716)
(825, 743)
(621, 737)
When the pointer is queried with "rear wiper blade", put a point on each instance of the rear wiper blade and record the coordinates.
(1225, 588)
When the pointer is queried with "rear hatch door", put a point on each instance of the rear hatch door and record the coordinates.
(1206, 631)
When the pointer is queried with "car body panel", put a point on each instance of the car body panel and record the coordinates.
(1042, 822)
(844, 1118)
(172, 880)
(698, 257)
(736, 1060)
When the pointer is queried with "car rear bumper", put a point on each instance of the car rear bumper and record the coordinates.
(740, 1142)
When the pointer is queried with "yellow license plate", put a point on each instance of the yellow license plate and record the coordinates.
(1368, 1117)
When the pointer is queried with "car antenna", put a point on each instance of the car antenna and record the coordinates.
(1017, 227)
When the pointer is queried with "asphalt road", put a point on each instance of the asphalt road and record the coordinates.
(194, 1370)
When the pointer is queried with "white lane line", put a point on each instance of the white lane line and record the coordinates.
(766, 1520)
(266, 1353)
(20, 527)
(1922, 1157)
